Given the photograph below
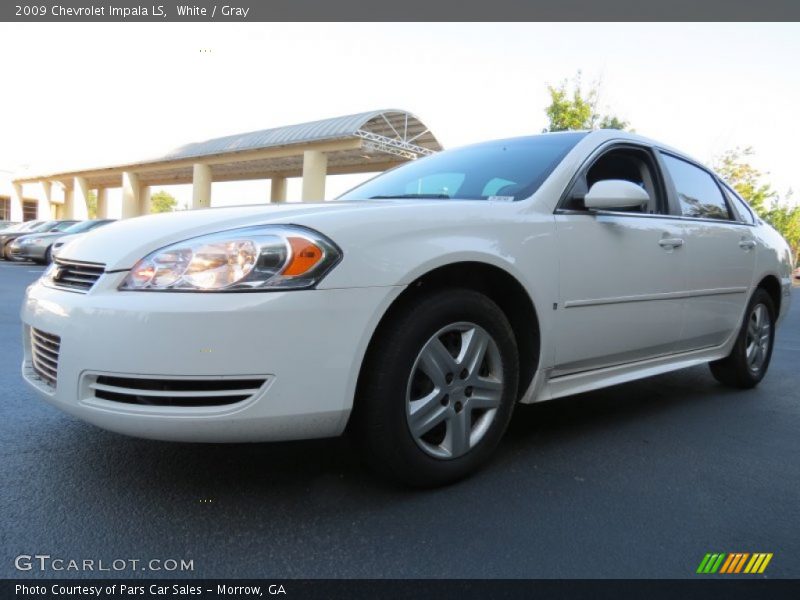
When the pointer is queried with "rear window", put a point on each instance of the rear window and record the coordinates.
(740, 206)
(502, 170)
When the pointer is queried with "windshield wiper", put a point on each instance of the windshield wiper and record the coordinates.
(418, 196)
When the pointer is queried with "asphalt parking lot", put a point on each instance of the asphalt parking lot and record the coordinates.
(639, 480)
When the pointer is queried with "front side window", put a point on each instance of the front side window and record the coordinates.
(698, 192)
(505, 169)
(625, 163)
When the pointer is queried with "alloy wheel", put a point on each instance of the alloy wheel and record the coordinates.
(454, 390)
(759, 329)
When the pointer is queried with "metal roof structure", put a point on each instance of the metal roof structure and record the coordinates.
(359, 143)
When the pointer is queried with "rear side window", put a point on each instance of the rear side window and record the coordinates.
(698, 192)
(739, 205)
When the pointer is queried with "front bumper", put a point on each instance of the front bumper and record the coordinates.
(27, 252)
(15, 251)
(307, 345)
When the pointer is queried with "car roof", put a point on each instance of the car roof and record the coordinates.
(598, 136)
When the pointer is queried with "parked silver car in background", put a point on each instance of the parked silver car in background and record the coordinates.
(7, 237)
(38, 247)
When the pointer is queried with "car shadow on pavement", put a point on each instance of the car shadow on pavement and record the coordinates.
(296, 467)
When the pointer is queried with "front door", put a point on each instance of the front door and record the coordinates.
(622, 274)
(620, 283)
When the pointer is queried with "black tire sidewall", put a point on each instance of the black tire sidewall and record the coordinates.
(740, 348)
(386, 423)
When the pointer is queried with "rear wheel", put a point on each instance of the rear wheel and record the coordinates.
(438, 388)
(7, 251)
(749, 359)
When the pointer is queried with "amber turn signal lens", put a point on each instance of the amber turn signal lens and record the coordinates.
(305, 254)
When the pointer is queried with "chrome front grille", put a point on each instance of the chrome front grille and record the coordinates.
(75, 276)
(157, 391)
(44, 356)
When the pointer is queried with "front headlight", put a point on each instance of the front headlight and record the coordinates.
(262, 258)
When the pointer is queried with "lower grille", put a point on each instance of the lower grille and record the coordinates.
(75, 276)
(44, 355)
(174, 392)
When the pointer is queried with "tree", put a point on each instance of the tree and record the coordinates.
(785, 218)
(746, 179)
(782, 214)
(162, 202)
(91, 204)
(572, 109)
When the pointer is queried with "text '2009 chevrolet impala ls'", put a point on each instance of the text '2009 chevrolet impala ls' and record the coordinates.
(417, 309)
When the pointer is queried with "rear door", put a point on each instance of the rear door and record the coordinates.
(621, 274)
(720, 253)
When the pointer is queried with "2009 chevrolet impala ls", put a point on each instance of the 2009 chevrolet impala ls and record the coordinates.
(417, 309)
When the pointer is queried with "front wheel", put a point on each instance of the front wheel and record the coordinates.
(749, 359)
(438, 388)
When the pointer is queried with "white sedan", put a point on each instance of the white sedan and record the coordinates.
(417, 309)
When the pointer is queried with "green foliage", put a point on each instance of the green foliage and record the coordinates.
(746, 179)
(91, 204)
(613, 122)
(785, 218)
(162, 201)
(573, 109)
(782, 214)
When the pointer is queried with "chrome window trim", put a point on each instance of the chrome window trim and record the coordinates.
(613, 213)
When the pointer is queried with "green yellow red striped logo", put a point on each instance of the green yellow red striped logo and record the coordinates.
(734, 562)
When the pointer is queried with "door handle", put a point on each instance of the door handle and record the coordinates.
(746, 244)
(670, 242)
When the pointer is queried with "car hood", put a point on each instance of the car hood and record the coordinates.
(43, 236)
(121, 244)
(7, 237)
(68, 237)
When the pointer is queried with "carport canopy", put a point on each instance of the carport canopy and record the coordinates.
(360, 143)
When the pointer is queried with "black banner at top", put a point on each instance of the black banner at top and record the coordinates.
(399, 10)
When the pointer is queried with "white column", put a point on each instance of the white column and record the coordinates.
(278, 191)
(315, 168)
(145, 200)
(201, 186)
(102, 203)
(131, 193)
(80, 200)
(16, 202)
(66, 208)
(44, 209)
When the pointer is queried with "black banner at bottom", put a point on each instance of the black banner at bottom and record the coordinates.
(388, 589)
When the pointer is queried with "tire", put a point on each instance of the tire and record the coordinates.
(749, 359)
(405, 421)
(48, 256)
(7, 251)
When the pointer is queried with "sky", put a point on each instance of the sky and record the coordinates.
(85, 95)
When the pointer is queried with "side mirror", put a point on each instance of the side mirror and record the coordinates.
(615, 193)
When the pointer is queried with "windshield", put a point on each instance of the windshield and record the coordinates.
(84, 226)
(62, 226)
(46, 226)
(510, 169)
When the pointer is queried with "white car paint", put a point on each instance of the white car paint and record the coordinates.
(613, 303)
